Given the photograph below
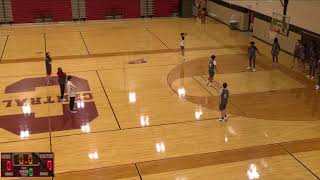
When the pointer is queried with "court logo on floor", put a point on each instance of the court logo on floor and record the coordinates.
(138, 61)
(21, 118)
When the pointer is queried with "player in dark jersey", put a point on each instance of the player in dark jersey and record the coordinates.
(252, 56)
(224, 101)
(302, 60)
(275, 51)
(48, 63)
(312, 56)
(212, 67)
(296, 53)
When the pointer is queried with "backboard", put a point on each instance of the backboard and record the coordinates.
(280, 24)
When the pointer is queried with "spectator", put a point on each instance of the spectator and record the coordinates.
(48, 63)
(62, 80)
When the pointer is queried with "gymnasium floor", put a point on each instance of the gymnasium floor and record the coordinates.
(133, 122)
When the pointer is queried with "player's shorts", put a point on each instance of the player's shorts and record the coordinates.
(211, 74)
(252, 57)
(275, 53)
(48, 69)
(222, 107)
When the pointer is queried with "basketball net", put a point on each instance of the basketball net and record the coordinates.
(272, 34)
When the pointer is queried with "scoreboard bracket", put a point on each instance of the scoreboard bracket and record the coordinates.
(27, 164)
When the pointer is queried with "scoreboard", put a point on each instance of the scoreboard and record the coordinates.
(27, 165)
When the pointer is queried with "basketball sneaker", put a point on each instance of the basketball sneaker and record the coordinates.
(317, 87)
(248, 68)
(254, 70)
(225, 118)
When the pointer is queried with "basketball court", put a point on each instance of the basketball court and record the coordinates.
(142, 114)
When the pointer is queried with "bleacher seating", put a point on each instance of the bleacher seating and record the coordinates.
(26, 11)
(165, 8)
(102, 9)
(78, 10)
(6, 11)
(115, 13)
(146, 8)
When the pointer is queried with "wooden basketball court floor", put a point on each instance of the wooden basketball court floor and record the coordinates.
(145, 126)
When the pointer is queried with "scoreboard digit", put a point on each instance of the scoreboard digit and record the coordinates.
(27, 165)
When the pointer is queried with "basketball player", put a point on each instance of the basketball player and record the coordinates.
(224, 94)
(182, 44)
(252, 56)
(212, 67)
(203, 15)
(312, 61)
(296, 53)
(71, 89)
(275, 51)
(48, 62)
(303, 51)
(200, 4)
(62, 81)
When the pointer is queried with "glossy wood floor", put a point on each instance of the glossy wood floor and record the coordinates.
(131, 122)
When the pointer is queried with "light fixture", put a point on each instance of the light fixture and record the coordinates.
(252, 172)
(226, 139)
(144, 120)
(160, 147)
(93, 155)
(24, 134)
(132, 97)
(80, 104)
(26, 108)
(85, 128)
(198, 114)
(182, 92)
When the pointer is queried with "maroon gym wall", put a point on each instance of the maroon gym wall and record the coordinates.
(98, 9)
(25, 10)
(163, 8)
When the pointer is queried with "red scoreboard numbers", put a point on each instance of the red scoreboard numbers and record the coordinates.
(9, 165)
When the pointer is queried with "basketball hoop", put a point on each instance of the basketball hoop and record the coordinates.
(279, 24)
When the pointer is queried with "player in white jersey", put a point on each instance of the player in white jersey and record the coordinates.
(182, 44)
(212, 67)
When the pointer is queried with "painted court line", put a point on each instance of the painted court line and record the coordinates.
(303, 165)
(105, 92)
(85, 44)
(199, 160)
(5, 45)
(156, 37)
